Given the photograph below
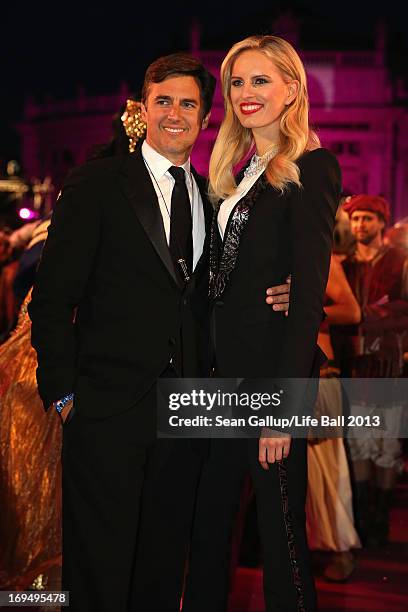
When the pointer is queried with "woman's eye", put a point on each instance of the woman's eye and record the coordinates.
(236, 82)
(260, 81)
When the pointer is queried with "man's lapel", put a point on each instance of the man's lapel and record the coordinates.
(138, 188)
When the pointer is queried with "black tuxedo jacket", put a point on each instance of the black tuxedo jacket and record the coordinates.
(108, 311)
(271, 236)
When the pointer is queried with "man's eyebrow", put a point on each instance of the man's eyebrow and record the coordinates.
(163, 97)
(190, 100)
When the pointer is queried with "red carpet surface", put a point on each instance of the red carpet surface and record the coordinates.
(379, 583)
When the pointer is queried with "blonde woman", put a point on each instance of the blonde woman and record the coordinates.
(275, 219)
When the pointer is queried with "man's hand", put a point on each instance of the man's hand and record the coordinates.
(279, 296)
(66, 410)
(272, 449)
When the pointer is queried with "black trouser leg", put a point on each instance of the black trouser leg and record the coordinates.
(103, 467)
(168, 501)
(218, 498)
(281, 494)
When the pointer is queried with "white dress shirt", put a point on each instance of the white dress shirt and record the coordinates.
(228, 205)
(163, 184)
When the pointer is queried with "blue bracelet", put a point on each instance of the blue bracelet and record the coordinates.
(60, 404)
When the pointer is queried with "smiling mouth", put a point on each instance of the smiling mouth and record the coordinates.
(174, 130)
(250, 109)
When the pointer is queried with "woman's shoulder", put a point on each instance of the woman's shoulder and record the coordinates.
(317, 158)
(319, 163)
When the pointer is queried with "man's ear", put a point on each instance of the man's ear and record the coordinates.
(205, 121)
(143, 112)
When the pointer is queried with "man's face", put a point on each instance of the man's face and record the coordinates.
(173, 113)
(366, 225)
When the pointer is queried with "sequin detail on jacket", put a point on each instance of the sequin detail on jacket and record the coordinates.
(222, 261)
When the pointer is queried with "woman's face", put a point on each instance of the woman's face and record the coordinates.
(259, 94)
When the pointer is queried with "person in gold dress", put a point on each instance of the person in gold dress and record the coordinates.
(30, 447)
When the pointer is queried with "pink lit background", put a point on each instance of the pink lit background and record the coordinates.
(360, 112)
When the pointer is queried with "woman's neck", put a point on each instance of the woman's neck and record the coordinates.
(265, 139)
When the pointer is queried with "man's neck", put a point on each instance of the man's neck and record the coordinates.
(368, 252)
(175, 159)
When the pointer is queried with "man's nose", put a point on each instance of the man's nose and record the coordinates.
(174, 112)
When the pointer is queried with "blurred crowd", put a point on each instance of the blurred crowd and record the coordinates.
(20, 252)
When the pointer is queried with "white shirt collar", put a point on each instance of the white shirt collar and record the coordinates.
(158, 164)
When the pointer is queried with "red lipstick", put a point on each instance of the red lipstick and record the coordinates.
(248, 108)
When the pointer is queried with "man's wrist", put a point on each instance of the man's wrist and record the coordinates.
(60, 404)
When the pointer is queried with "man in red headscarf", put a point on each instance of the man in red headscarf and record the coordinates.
(378, 276)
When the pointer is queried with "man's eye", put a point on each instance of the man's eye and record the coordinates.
(236, 82)
(189, 104)
(163, 102)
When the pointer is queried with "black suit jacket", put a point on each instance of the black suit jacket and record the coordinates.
(108, 311)
(275, 235)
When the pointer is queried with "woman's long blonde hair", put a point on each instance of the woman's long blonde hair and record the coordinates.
(234, 142)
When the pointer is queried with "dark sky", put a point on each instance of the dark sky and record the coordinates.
(52, 48)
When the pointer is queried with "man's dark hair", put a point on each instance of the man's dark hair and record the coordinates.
(181, 64)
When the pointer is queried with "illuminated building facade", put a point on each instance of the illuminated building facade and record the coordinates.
(360, 112)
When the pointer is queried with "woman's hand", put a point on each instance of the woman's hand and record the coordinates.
(273, 446)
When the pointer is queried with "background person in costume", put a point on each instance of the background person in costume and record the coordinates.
(378, 276)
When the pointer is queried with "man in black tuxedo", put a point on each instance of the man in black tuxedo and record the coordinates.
(121, 299)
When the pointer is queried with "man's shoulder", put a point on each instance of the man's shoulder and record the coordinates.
(97, 169)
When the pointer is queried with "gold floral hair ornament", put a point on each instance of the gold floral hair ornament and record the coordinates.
(133, 124)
